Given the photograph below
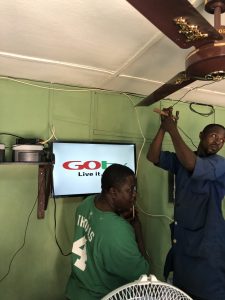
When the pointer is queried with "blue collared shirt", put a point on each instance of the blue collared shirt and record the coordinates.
(197, 256)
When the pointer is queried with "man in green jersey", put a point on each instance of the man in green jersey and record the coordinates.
(108, 249)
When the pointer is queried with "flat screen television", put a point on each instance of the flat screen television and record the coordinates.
(79, 165)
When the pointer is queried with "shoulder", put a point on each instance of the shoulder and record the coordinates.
(216, 158)
(211, 167)
(219, 158)
(86, 203)
(213, 160)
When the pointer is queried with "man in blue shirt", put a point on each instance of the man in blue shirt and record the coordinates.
(197, 255)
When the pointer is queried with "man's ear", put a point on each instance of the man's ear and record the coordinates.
(200, 135)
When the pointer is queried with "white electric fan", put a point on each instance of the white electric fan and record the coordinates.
(147, 288)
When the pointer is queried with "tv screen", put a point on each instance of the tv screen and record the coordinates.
(79, 165)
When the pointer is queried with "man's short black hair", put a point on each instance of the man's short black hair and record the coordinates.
(115, 175)
(210, 126)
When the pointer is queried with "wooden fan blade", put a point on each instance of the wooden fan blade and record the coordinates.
(177, 82)
(162, 13)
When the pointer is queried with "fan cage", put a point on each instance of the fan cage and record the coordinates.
(147, 291)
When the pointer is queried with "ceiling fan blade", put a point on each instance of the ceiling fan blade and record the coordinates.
(163, 13)
(176, 83)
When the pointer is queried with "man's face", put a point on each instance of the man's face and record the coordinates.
(125, 195)
(212, 141)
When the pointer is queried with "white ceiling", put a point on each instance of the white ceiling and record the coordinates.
(103, 44)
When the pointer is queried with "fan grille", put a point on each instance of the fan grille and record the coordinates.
(149, 291)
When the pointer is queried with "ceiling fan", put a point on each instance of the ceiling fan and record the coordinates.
(186, 27)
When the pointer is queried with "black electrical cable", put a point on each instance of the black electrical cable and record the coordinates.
(187, 136)
(212, 111)
(6, 133)
(191, 108)
(194, 88)
(64, 254)
(23, 244)
(24, 239)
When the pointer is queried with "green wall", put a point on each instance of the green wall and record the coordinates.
(32, 109)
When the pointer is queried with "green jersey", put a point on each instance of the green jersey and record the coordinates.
(105, 254)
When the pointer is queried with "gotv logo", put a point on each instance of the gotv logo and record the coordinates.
(87, 165)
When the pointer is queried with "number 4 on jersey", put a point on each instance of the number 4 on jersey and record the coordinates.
(79, 248)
